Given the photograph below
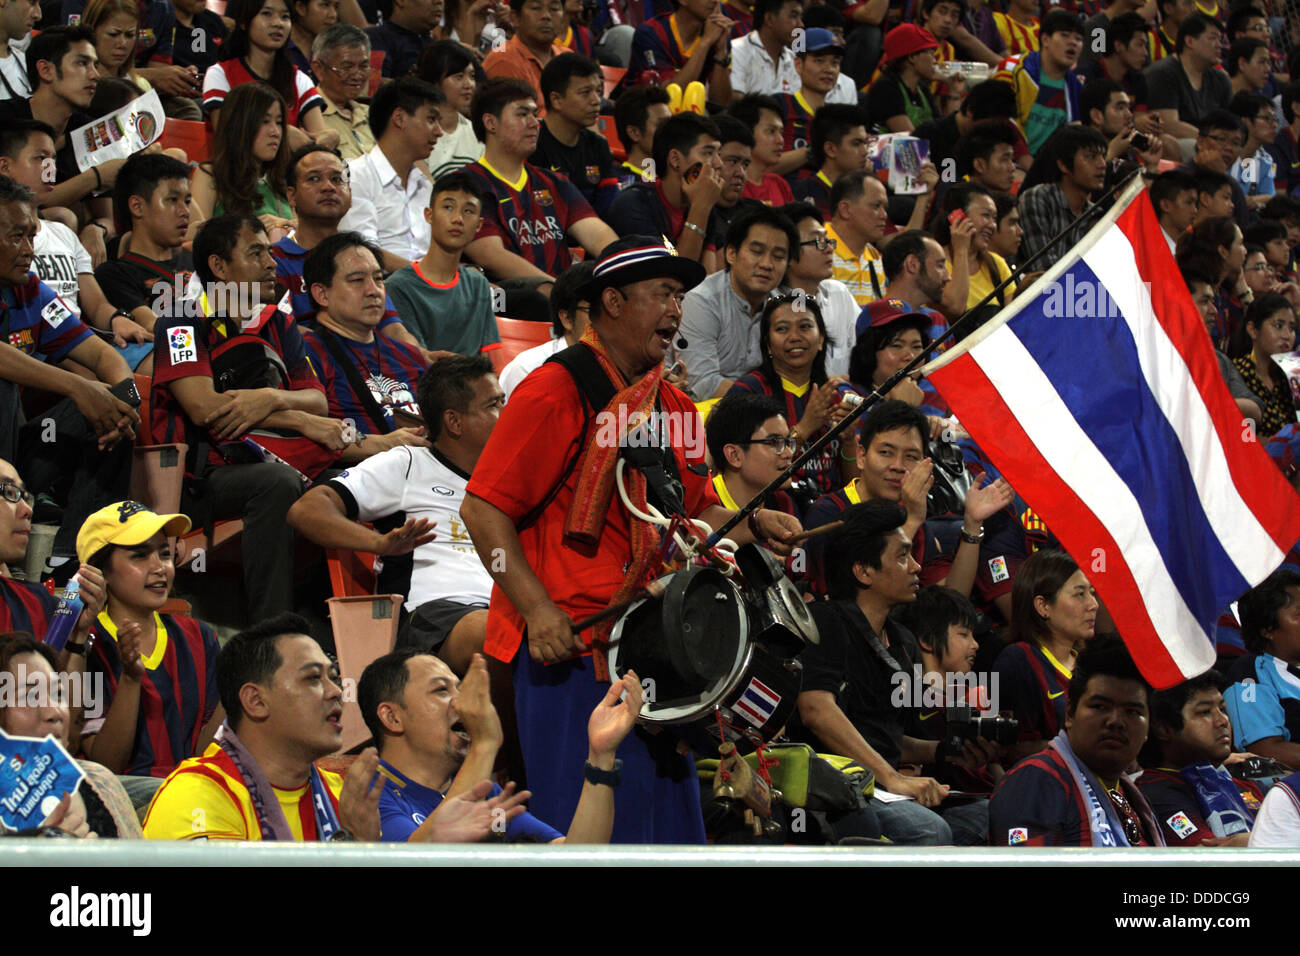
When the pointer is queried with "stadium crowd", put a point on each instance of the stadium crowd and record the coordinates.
(341, 298)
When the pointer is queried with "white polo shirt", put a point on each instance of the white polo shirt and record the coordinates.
(384, 211)
(753, 70)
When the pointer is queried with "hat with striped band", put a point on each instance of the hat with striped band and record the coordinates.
(637, 258)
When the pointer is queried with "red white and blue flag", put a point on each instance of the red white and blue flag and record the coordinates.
(1098, 395)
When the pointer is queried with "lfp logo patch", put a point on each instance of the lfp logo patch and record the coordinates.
(1017, 835)
(181, 340)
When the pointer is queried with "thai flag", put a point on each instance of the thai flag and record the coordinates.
(758, 703)
(1098, 396)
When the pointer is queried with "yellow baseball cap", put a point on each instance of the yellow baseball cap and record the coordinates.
(125, 523)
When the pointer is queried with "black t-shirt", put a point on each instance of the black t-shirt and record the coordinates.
(862, 682)
(639, 211)
(130, 283)
(942, 135)
(588, 164)
(65, 160)
(199, 45)
(888, 97)
(722, 217)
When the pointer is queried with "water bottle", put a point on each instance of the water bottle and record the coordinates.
(65, 615)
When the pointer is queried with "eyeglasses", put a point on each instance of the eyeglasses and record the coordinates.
(820, 243)
(351, 69)
(13, 494)
(1233, 141)
(1269, 118)
(1260, 267)
(778, 443)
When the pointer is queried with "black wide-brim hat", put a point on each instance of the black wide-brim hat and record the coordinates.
(637, 258)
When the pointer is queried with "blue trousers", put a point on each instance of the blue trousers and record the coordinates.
(658, 800)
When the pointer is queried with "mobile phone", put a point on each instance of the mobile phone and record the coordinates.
(693, 173)
(956, 216)
(126, 391)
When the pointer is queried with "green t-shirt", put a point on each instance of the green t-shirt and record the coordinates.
(1048, 114)
(267, 203)
(456, 317)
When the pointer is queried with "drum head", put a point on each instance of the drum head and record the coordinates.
(701, 626)
(686, 647)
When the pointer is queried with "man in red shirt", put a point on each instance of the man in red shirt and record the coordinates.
(560, 545)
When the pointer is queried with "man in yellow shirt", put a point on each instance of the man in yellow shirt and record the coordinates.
(258, 779)
(859, 215)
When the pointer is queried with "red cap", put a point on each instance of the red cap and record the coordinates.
(907, 39)
(884, 312)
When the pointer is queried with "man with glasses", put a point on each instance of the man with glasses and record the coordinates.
(570, 316)
(721, 315)
(79, 450)
(1255, 167)
(809, 271)
(560, 546)
(25, 605)
(679, 205)
(340, 61)
(1219, 143)
(750, 444)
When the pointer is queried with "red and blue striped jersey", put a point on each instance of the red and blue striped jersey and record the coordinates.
(390, 369)
(532, 215)
(658, 53)
(25, 608)
(1033, 689)
(178, 695)
(38, 323)
(1038, 804)
(798, 116)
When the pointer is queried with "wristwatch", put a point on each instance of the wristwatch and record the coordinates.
(608, 778)
(972, 538)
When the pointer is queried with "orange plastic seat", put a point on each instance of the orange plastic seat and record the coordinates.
(193, 137)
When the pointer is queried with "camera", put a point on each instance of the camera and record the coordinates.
(1141, 142)
(963, 723)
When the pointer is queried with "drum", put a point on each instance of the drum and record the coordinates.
(706, 676)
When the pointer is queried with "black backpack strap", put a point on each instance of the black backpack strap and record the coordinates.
(595, 389)
(363, 393)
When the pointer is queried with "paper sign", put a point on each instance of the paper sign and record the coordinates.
(34, 775)
(119, 134)
(1289, 362)
(898, 159)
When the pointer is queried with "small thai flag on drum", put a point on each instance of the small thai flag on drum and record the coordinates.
(758, 703)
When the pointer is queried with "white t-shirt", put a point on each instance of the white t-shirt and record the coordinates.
(840, 313)
(60, 258)
(527, 362)
(420, 483)
(1277, 824)
(13, 70)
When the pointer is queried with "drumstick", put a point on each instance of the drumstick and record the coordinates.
(814, 532)
(612, 611)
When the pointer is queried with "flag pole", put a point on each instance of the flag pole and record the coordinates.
(878, 394)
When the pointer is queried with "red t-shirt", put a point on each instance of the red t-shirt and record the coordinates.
(532, 442)
(775, 191)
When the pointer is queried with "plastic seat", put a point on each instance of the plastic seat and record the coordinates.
(376, 69)
(193, 137)
(365, 628)
(518, 335)
(613, 76)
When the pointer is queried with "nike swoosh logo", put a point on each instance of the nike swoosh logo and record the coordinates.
(1051, 696)
(929, 715)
